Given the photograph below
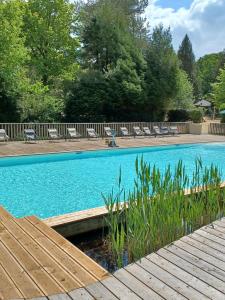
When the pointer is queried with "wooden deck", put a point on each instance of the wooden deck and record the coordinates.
(190, 268)
(44, 147)
(35, 261)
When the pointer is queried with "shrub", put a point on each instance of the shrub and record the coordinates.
(196, 115)
(222, 119)
(178, 115)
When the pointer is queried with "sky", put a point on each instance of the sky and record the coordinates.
(202, 20)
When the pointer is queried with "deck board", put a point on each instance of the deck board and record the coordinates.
(32, 266)
(37, 263)
(87, 263)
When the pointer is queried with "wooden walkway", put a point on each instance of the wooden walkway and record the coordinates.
(36, 262)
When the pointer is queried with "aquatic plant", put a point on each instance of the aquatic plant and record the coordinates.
(162, 207)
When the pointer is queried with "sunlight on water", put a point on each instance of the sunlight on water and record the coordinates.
(50, 185)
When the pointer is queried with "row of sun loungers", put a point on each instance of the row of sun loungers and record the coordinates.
(30, 134)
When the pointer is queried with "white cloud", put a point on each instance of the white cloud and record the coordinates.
(204, 22)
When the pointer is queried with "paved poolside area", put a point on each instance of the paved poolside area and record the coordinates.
(22, 148)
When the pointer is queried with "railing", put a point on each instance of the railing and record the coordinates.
(217, 128)
(15, 131)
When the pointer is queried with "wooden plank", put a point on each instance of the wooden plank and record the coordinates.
(8, 289)
(191, 287)
(220, 223)
(201, 254)
(173, 281)
(61, 277)
(80, 294)
(196, 261)
(153, 283)
(214, 232)
(203, 247)
(207, 242)
(213, 284)
(29, 265)
(100, 292)
(59, 297)
(210, 237)
(219, 228)
(91, 266)
(119, 289)
(4, 214)
(21, 279)
(135, 285)
(80, 274)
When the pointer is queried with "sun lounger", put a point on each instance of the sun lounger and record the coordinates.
(148, 132)
(138, 131)
(173, 130)
(30, 135)
(109, 132)
(92, 133)
(164, 130)
(73, 134)
(157, 131)
(53, 134)
(3, 136)
(125, 132)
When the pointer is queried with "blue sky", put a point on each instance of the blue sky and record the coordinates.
(202, 20)
(175, 3)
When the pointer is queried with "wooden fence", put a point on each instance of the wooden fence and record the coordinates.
(15, 131)
(217, 128)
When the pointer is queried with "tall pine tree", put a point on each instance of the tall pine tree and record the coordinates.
(187, 59)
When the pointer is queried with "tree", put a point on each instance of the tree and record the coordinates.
(208, 70)
(86, 97)
(50, 28)
(8, 103)
(12, 51)
(13, 56)
(161, 74)
(184, 97)
(187, 59)
(218, 90)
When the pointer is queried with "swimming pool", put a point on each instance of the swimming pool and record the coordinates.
(56, 184)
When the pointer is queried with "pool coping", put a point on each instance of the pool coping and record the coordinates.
(86, 220)
(109, 149)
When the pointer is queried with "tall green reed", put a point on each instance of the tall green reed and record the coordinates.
(162, 207)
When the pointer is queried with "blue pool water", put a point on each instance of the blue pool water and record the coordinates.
(55, 184)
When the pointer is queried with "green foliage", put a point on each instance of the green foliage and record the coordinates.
(196, 115)
(12, 51)
(184, 97)
(157, 211)
(39, 104)
(161, 73)
(187, 59)
(222, 119)
(218, 90)
(178, 115)
(86, 98)
(49, 27)
(8, 103)
(208, 70)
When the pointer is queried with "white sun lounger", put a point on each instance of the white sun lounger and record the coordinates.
(30, 135)
(125, 132)
(148, 132)
(92, 133)
(73, 134)
(53, 134)
(3, 136)
(138, 131)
